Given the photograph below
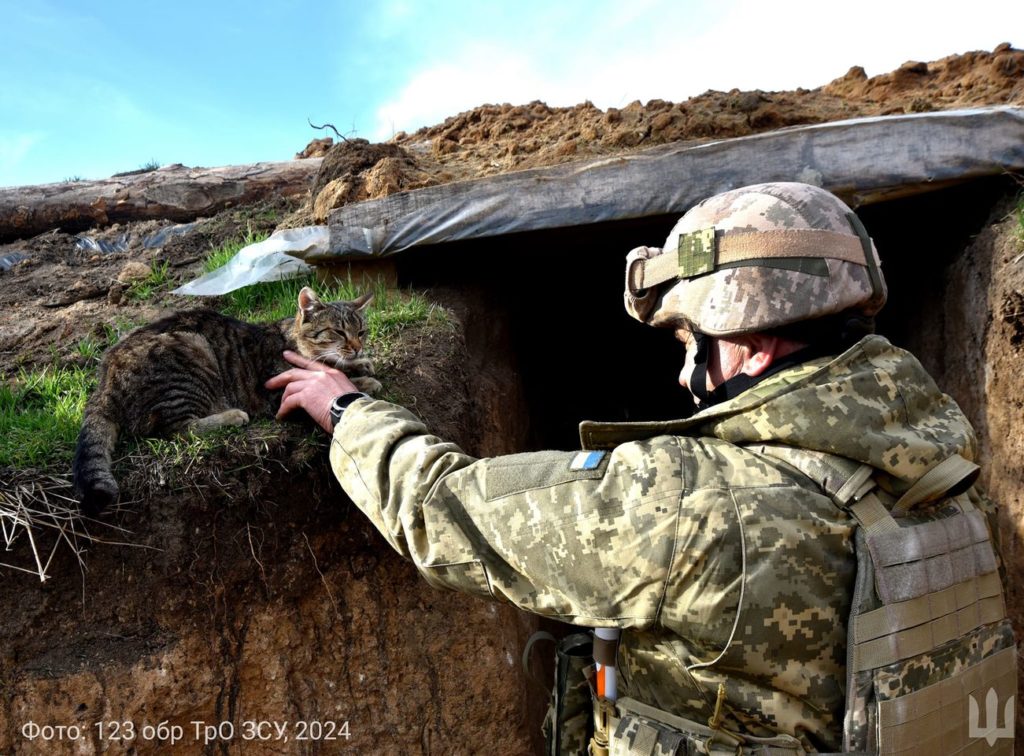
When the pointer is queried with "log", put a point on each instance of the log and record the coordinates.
(173, 192)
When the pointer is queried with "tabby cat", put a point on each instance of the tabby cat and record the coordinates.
(199, 370)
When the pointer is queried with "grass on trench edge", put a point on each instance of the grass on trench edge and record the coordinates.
(41, 411)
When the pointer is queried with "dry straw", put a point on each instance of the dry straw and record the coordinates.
(38, 517)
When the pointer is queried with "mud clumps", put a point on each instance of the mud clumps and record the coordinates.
(498, 138)
(495, 138)
(356, 170)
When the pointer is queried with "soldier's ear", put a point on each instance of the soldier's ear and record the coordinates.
(759, 352)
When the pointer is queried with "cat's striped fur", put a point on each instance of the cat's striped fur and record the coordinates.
(198, 370)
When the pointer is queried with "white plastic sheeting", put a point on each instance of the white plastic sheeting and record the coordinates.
(275, 258)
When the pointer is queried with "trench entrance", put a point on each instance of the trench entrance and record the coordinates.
(554, 299)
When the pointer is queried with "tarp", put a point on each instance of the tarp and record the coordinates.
(273, 259)
(862, 160)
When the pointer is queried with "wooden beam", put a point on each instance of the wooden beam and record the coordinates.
(175, 192)
(862, 160)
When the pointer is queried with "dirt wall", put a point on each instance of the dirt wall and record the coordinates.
(974, 348)
(256, 593)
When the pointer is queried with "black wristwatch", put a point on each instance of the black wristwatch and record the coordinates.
(340, 403)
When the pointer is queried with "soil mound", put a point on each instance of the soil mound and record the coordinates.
(495, 138)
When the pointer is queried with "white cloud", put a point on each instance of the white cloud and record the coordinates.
(479, 75)
(13, 150)
(616, 53)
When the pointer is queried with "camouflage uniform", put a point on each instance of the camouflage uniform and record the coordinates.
(722, 562)
(722, 545)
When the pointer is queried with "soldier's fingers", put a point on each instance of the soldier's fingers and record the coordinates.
(287, 377)
(289, 403)
(306, 363)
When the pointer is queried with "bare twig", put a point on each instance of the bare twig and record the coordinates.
(327, 126)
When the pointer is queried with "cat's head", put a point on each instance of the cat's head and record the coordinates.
(330, 332)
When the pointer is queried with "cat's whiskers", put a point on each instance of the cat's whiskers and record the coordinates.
(335, 357)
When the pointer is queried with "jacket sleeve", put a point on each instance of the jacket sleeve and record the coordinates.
(587, 538)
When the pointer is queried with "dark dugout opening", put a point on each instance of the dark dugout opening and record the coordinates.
(554, 298)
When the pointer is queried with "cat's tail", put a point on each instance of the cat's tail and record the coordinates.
(94, 481)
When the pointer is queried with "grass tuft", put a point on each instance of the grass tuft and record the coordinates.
(40, 415)
(1019, 214)
(157, 280)
(388, 314)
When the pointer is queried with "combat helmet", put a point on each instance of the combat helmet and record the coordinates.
(756, 259)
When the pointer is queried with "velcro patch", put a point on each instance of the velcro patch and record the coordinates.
(697, 253)
(586, 461)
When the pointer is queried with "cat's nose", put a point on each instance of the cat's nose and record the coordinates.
(356, 346)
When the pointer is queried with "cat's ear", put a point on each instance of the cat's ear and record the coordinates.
(363, 302)
(309, 302)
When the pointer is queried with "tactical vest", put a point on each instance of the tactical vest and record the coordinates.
(931, 659)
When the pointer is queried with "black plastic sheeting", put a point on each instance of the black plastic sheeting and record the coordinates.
(862, 160)
(88, 244)
(9, 261)
(125, 240)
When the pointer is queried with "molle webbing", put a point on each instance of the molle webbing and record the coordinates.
(930, 719)
(896, 645)
(960, 600)
(703, 252)
(931, 556)
(937, 645)
(941, 596)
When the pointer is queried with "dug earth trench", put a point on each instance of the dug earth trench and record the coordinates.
(242, 586)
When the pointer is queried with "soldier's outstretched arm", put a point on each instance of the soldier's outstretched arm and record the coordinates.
(588, 538)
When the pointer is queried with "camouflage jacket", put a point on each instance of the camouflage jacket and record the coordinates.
(721, 562)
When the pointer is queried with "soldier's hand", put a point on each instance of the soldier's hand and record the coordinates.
(310, 386)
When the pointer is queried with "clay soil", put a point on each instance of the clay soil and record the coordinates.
(251, 590)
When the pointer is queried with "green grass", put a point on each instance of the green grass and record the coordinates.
(219, 257)
(90, 349)
(1019, 214)
(40, 414)
(389, 312)
(186, 448)
(157, 280)
(41, 411)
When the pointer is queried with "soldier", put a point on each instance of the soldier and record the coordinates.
(725, 546)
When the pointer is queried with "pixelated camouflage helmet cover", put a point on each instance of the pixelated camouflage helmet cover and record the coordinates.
(756, 258)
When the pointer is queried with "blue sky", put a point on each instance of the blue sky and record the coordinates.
(90, 89)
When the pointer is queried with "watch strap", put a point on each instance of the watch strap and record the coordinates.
(340, 403)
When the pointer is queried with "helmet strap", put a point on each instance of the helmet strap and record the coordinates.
(740, 383)
(698, 378)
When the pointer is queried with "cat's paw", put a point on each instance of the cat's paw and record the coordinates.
(366, 384)
(231, 418)
(234, 417)
(360, 365)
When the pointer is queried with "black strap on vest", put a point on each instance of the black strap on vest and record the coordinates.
(740, 383)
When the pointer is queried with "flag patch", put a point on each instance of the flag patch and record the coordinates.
(586, 461)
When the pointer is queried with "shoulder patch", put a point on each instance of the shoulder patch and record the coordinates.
(586, 460)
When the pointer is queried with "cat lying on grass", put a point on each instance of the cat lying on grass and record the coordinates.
(200, 370)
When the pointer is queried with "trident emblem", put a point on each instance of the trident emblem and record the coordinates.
(991, 732)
